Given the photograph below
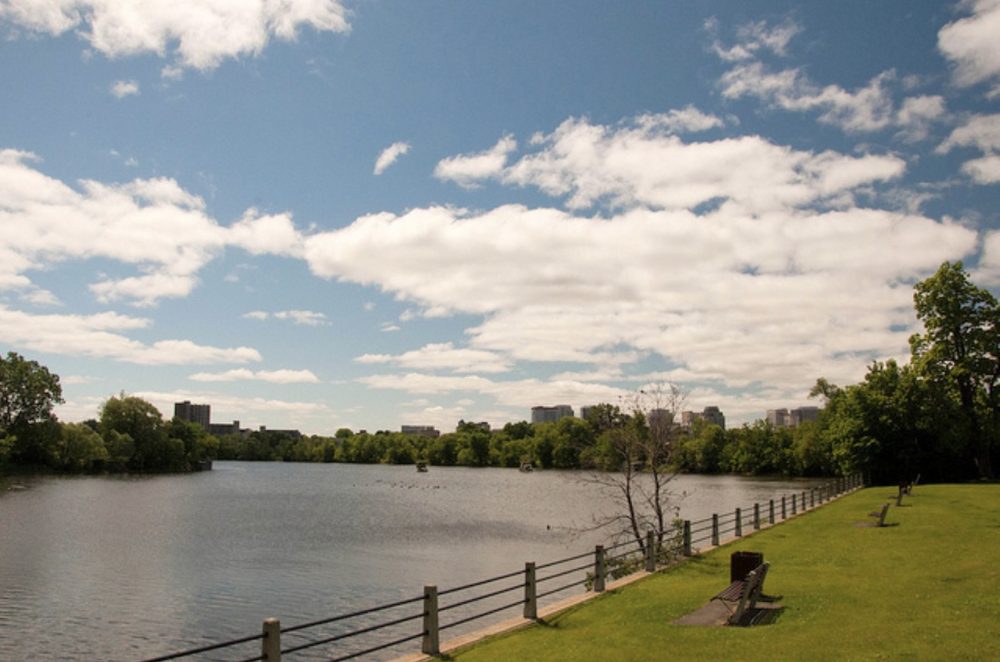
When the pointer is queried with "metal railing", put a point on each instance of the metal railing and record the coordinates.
(390, 626)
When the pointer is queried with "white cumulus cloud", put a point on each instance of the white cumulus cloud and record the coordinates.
(468, 170)
(271, 376)
(866, 109)
(152, 225)
(200, 34)
(972, 45)
(389, 156)
(124, 88)
(443, 356)
(103, 335)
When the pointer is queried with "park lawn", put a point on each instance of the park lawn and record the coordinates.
(925, 588)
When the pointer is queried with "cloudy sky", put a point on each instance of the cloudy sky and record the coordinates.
(318, 214)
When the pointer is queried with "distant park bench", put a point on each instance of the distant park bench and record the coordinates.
(879, 515)
(906, 488)
(741, 596)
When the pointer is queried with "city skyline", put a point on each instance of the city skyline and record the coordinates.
(319, 214)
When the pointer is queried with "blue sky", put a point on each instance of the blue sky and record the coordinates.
(318, 214)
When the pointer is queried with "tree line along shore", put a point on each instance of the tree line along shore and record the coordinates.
(937, 415)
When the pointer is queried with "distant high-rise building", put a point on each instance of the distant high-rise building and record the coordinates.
(428, 431)
(200, 414)
(778, 418)
(542, 414)
(219, 429)
(800, 415)
(712, 415)
(660, 417)
(784, 418)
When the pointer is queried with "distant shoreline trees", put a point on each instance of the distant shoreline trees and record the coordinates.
(130, 437)
(938, 416)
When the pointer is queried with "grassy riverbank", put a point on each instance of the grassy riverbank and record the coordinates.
(926, 588)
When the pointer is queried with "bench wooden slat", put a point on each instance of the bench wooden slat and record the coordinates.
(744, 594)
(732, 592)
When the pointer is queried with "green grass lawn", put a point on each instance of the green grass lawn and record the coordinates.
(927, 588)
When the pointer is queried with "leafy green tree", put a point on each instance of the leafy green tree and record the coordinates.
(519, 430)
(474, 445)
(512, 453)
(443, 451)
(893, 425)
(28, 394)
(604, 417)
(573, 436)
(400, 449)
(701, 451)
(814, 453)
(367, 448)
(80, 449)
(121, 449)
(143, 423)
(6, 447)
(198, 444)
(961, 345)
(543, 444)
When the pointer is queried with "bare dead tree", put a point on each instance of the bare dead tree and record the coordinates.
(636, 470)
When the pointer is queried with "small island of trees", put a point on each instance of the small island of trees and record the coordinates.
(937, 416)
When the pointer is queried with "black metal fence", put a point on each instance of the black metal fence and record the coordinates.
(389, 628)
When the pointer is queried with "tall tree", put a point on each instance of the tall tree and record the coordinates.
(28, 393)
(961, 345)
(140, 421)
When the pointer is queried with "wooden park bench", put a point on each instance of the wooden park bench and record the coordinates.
(907, 489)
(879, 515)
(741, 596)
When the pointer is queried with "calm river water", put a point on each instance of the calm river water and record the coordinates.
(128, 568)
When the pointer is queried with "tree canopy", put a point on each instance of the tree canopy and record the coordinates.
(28, 392)
(961, 346)
(938, 415)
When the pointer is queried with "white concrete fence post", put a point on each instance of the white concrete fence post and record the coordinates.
(270, 645)
(431, 644)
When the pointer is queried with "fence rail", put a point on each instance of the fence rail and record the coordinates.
(380, 628)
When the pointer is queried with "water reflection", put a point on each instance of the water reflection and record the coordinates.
(119, 569)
